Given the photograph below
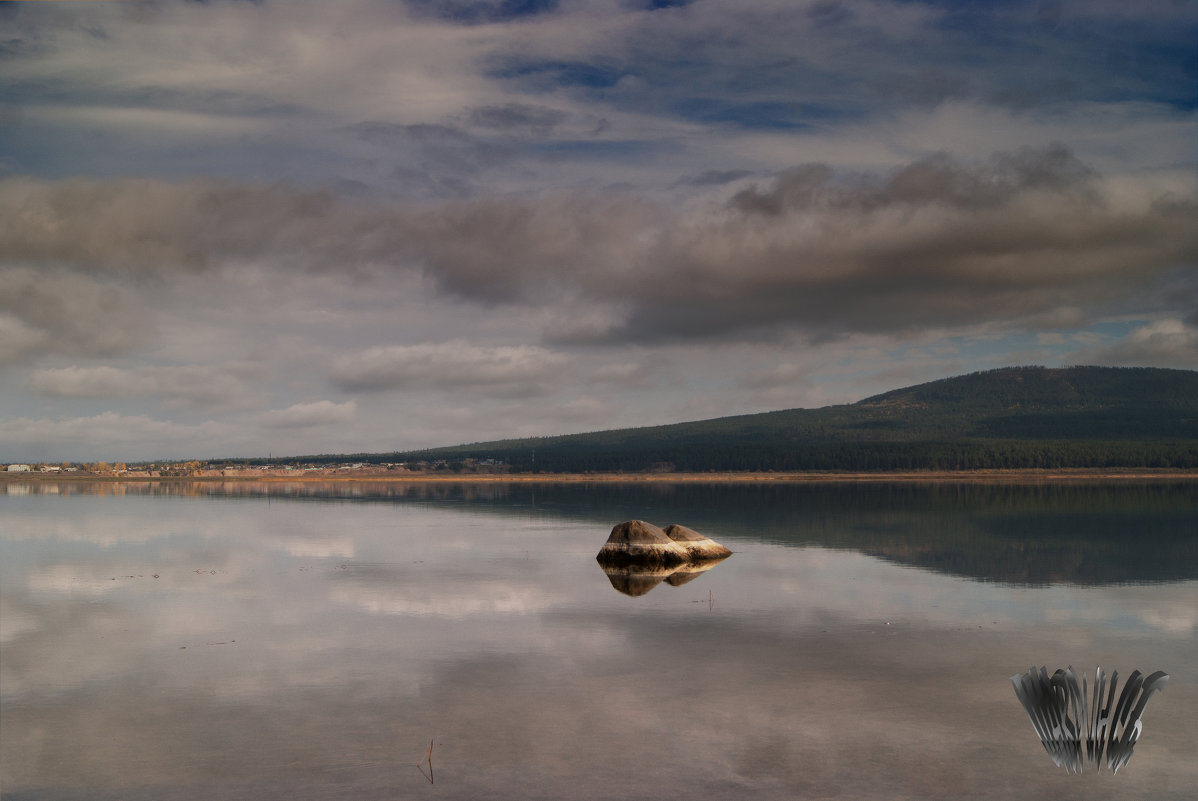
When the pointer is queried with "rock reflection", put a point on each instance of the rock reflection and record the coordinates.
(637, 581)
(633, 581)
(690, 572)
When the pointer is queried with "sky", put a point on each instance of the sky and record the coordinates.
(248, 228)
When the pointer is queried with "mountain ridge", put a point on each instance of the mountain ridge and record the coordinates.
(1013, 417)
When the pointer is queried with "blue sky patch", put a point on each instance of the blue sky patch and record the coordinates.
(473, 12)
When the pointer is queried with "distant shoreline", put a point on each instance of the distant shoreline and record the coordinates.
(942, 476)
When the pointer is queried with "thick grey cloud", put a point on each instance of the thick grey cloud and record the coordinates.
(821, 252)
(148, 229)
(51, 311)
(936, 243)
(936, 180)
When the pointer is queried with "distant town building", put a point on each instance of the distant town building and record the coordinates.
(19, 468)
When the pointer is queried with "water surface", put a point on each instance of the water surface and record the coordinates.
(309, 641)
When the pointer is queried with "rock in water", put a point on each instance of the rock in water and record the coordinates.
(697, 547)
(636, 542)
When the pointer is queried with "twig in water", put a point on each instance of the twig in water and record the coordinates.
(428, 755)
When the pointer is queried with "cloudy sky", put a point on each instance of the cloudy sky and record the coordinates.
(237, 228)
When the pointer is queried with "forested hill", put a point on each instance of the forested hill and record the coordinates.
(1023, 417)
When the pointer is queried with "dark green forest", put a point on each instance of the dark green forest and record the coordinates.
(1021, 417)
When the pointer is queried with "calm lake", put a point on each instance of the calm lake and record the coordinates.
(307, 641)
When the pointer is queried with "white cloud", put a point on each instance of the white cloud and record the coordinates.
(585, 412)
(779, 375)
(107, 429)
(624, 374)
(310, 415)
(509, 370)
(174, 123)
(192, 385)
(1162, 343)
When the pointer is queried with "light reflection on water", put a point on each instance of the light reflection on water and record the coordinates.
(301, 641)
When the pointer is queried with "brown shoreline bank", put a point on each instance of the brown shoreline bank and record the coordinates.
(942, 476)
